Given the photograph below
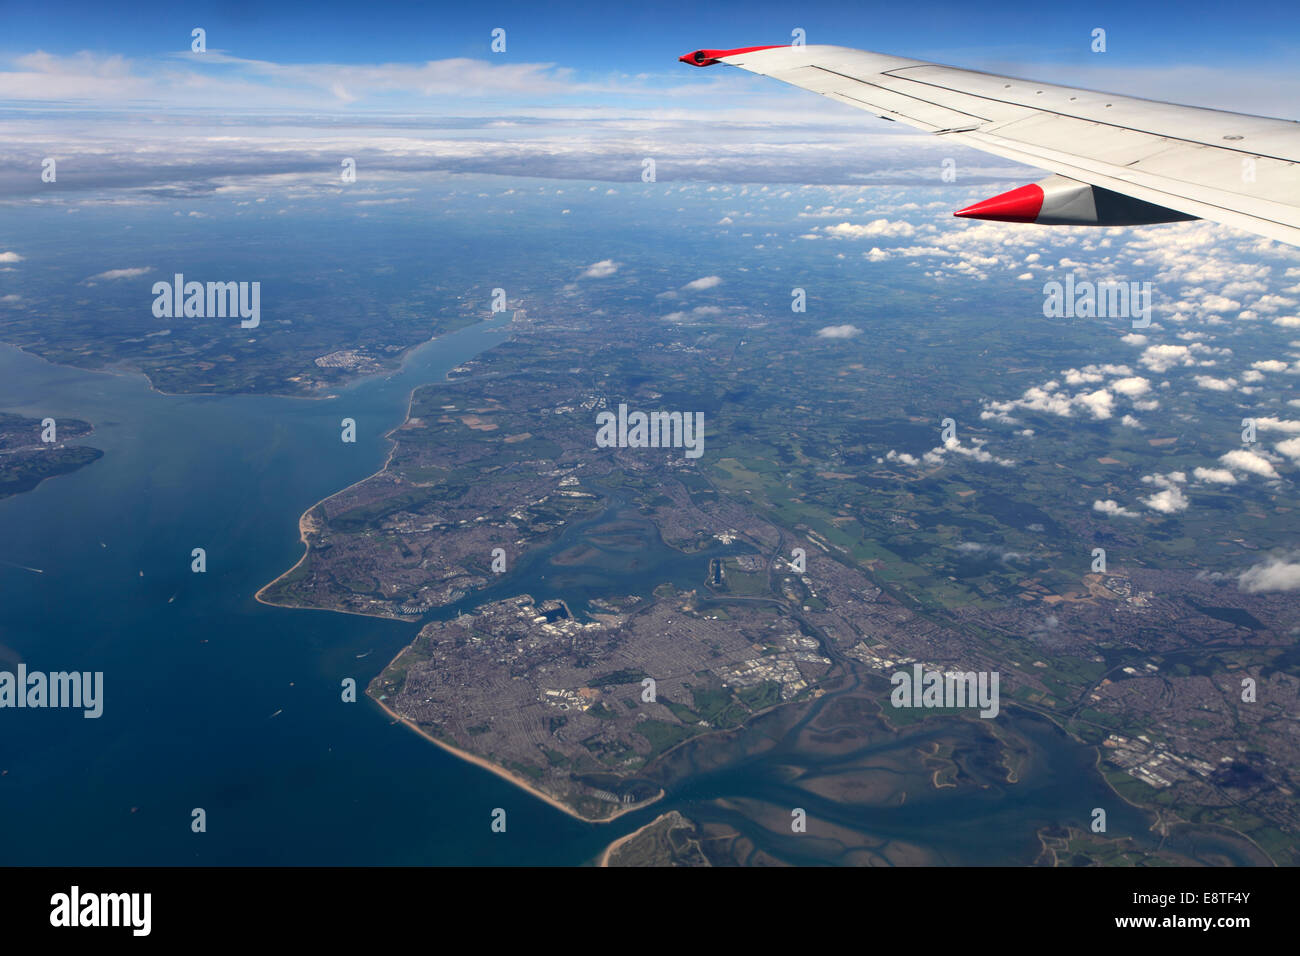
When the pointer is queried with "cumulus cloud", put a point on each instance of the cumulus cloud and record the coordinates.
(10, 257)
(975, 450)
(695, 313)
(1170, 501)
(1214, 476)
(1269, 365)
(839, 331)
(1099, 403)
(601, 269)
(1170, 480)
(1272, 303)
(1268, 423)
(874, 229)
(1161, 358)
(1113, 508)
(1291, 448)
(1274, 574)
(705, 282)
(1215, 384)
(1239, 459)
(1074, 376)
(1131, 386)
(935, 456)
(130, 273)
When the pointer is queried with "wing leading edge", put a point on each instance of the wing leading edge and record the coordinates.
(1145, 161)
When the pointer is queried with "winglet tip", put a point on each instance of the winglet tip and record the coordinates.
(709, 57)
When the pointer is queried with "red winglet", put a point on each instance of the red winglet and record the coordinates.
(709, 57)
(1018, 205)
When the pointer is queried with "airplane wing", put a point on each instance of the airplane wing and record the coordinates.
(1117, 160)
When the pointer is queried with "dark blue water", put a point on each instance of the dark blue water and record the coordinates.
(213, 700)
(194, 667)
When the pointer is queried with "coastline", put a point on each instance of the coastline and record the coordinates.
(505, 774)
(302, 518)
(302, 529)
(306, 548)
(313, 395)
(465, 755)
(609, 850)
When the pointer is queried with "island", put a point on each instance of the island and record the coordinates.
(27, 459)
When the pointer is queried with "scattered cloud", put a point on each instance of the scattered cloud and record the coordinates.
(705, 282)
(1239, 459)
(1114, 508)
(601, 269)
(839, 332)
(129, 273)
(1274, 574)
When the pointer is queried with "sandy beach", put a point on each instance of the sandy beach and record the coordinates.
(609, 850)
(303, 525)
(505, 774)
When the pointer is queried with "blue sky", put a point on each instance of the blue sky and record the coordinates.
(435, 59)
(639, 37)
(584, 89)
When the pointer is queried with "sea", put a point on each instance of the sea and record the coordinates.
(217, 703)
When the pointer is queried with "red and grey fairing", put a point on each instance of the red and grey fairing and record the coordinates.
(1118, 160)
(1058, 201)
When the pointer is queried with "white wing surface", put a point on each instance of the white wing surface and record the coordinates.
(1118, 160)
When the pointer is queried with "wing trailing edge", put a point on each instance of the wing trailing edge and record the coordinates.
(1144, 161)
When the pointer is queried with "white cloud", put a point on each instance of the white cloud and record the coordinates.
(1270, 424)
(1269, 365)
(705, 282)
(1161, 358)
(1110, 507)
(1272, 303)
(601, 269)
(1170, 501)
(1099, 403)
(1275, 574)
(975, 450)
(873, 229)
(1214, 476)
(1215, 384)
(1241, 460)
(1171, 480)
(1291, 448)
(1132, 386)
(935, 456)
(129, 273)
(839, 331)
(1075, 377)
